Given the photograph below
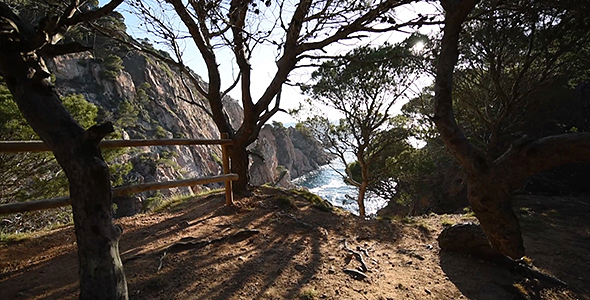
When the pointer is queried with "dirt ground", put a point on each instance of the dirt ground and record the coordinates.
(272, 248)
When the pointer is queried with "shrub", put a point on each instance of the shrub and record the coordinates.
(112, 67)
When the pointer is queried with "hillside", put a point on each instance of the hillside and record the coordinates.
(146, 98)
(276, 245)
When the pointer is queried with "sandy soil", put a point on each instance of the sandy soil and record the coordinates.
(298, 253)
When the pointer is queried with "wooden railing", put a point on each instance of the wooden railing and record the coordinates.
(39, 146)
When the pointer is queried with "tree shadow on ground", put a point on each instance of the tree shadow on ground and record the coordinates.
(477, 279)
(277, 263)
(51, 274)
(556, 233)
(286, 253)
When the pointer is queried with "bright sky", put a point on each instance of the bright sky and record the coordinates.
(263, 60)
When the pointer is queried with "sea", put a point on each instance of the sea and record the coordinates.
(327, 183)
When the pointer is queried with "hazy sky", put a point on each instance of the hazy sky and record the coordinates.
(263, 60)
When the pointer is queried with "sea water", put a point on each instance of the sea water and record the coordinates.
(327, 182)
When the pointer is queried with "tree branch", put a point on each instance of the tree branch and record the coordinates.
(444, 119)
(88, 16)
(522, 160)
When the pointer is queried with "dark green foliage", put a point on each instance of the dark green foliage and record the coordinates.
(141, 95)
(516, 76)
(127, 114)
(160, 132)
(145, 163)
(30, 176)
(153, 202)
(517, 73)
(112, 65)
(27, 176)
(81, 110)
(118, 172)
(363, 86)
(306, 131)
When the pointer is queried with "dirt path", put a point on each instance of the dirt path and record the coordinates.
(296, 251)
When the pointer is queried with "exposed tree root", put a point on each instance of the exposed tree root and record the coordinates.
(358, 256)
(355, 274)
(470, 239)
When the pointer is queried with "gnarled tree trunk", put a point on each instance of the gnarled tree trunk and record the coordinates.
(76, 150)
(490, 200)
(490, 184)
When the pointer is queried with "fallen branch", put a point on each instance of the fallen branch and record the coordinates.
(363, 250)
(358, 256)
(161, 260)
(355, 274)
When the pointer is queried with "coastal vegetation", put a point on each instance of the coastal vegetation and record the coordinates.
(363, 86)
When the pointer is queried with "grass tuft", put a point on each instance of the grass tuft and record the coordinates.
(446, 221)
(285, 202)
(12, 238)
(315, 200)
(173, 203)
(308, 294)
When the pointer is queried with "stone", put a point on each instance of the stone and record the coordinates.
(468, 238)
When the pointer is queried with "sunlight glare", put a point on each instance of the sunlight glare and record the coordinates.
(418, 47)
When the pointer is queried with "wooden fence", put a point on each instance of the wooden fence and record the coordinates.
(39, 146)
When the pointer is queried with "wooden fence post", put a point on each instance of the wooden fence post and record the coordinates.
(229, 197)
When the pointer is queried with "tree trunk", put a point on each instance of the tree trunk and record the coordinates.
(491, 183)
(76, 150)
(239, 165)
(488, 196)
(364, 182)
(361, 199)
(101, 270)
(491, 200)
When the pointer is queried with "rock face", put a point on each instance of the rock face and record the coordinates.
(145, 100)
(281, 154)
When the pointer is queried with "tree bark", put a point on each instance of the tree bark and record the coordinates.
(76, 150)
(364, 182)
(361, 199)
(490, 200)
(240, 164)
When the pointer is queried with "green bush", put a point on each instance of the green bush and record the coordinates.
(160, 132)
(127, 114)
(112, 67)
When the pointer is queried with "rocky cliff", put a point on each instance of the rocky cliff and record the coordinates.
(281, 154)
(144, 99)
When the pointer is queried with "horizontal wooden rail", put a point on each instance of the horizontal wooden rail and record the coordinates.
(120, 191)
(39, 146)
(144, 187)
